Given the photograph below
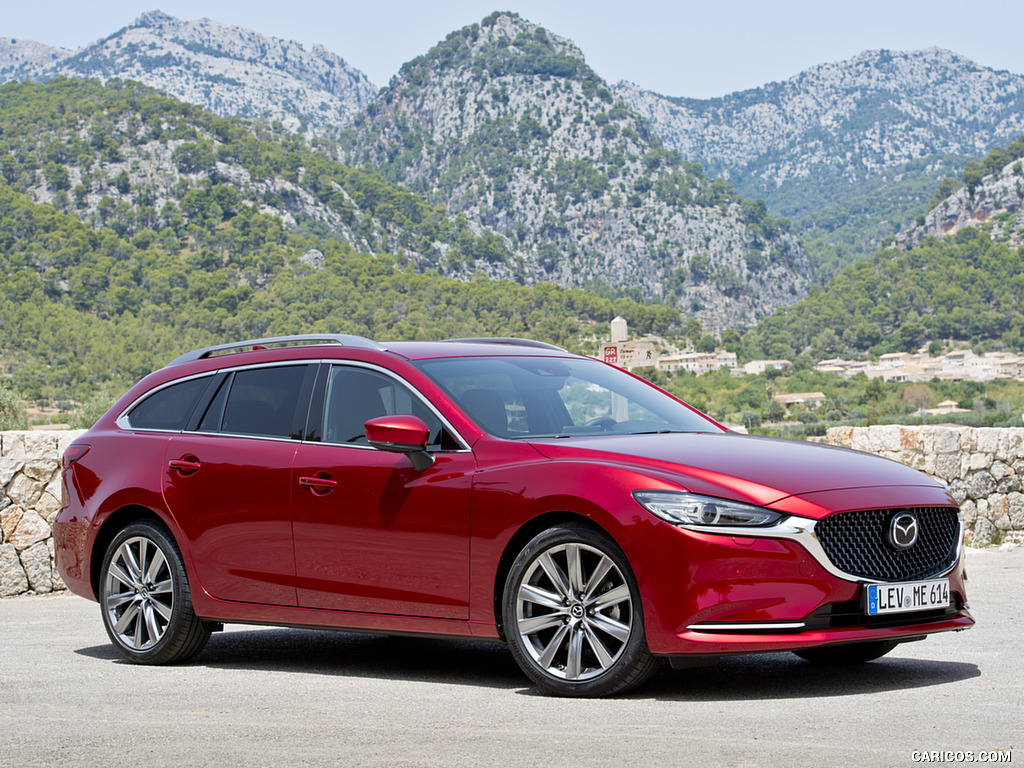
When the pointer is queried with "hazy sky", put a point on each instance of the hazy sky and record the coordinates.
(680, 48)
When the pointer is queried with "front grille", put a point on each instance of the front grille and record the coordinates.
(858, 543)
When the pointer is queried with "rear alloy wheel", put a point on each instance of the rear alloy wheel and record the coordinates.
(145, 598)
(573, 617)
(849, 653)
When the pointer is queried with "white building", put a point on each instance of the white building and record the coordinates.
(628, 354)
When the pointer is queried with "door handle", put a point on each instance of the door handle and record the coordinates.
(318, 484)
(187, 465)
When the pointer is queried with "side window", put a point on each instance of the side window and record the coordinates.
(268, 402)
(356, 395)
(169, 408)
(492, 400)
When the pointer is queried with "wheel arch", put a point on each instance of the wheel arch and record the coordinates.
(521, 538)
(115, 522)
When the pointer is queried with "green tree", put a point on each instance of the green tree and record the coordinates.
(918, 397)
(122, 183)
(56, 177)
(12, 410)
(973, 175)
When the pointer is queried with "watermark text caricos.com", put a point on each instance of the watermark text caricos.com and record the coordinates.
(951, 756)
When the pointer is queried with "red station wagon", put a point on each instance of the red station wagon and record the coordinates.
(499, 489)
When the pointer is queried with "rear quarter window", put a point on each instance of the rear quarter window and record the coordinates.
(169, 408)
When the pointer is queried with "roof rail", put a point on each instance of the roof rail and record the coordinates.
(345, 340)
(509, 340)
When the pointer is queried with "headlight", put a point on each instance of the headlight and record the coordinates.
(680, 508)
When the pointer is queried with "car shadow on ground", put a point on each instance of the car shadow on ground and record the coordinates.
(346, 654)
(475, 663)
(784, 676)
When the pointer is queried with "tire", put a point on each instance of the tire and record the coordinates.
(849, 653)
(145, 599)
(573, 616)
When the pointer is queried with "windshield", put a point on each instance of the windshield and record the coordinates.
(558, 397)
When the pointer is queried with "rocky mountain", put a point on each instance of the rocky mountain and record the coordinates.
(956, 275)
(133, 226)
(992, 202)
(505, 123)
(27, 59)
(126, 157)
(229, 70)
(851, 151)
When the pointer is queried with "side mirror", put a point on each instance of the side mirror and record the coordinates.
(401, 433)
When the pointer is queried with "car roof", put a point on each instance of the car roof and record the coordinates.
(410, 350)
(425, 350)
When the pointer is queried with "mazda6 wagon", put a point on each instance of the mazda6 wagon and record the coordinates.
(498, 489)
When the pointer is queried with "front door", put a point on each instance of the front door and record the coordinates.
(373, 534)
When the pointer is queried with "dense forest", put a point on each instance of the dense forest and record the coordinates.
(965, 288)
(67, 138)
(85, 310)
(121, 271)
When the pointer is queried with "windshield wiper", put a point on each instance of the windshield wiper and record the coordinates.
(659, 432)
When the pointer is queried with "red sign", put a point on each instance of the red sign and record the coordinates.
(611, 355)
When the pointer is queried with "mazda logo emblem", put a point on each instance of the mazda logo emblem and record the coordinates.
(903, 530)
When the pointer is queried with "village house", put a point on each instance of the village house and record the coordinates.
(760, 366)
(813, 399)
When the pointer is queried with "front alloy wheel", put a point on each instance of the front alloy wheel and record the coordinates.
(573, 616)
(145, 598)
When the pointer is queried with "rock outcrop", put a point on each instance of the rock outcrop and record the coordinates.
(996, 205)
(227, 69)
(504, 122)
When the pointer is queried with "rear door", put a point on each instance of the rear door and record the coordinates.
(228, 483)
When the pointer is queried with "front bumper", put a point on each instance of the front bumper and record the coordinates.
(733, 592)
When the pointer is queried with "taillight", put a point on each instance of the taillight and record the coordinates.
(74, 452)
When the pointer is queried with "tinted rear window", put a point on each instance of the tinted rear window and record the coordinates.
(265, 401)
(170, 408)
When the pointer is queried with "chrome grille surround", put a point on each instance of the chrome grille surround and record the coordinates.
(857, 543)
(803, 531)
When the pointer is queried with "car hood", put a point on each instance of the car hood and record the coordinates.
(759, 470)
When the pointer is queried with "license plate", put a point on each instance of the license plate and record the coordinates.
(908, 596)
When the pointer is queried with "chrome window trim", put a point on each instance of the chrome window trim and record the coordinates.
(124, 424)
(415, 392)
(800, 530)
(236, 435)
(122, 421)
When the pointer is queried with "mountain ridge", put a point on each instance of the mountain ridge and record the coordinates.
(233, 71)
(850, 151)
(27, 59)
(505, 122)
(513, 132)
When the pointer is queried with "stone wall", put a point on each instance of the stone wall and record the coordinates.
(984, 469)
(29, 501)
